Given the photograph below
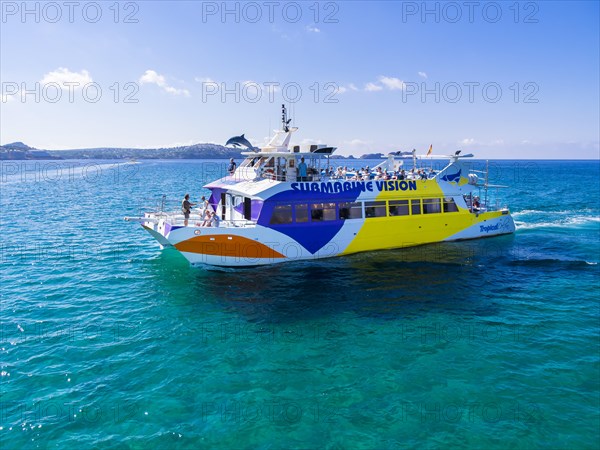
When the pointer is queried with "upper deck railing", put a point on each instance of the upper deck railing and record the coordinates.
(347, 175)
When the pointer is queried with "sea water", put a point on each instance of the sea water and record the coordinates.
(108, 342)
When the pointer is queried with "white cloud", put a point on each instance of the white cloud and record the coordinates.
(372, 87)
(422, 74)
(354, 147)
(63, 75)
(204, 80)
(356, 142)
(470, 142)
(349, 87)
(312, 29)
(309, 141)
(151, 77)
(392, 83)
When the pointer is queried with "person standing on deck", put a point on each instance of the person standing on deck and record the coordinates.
(204, 206)
(186, 208)
(302, 170)
(232, 166)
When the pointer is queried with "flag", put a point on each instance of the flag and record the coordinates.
(429, 151)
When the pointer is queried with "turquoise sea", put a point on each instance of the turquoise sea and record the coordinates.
(108, 342)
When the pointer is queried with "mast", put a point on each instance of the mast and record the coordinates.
(487, 174)
(284, 119)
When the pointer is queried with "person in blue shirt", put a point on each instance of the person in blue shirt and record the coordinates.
(232, 167)
(302, 170)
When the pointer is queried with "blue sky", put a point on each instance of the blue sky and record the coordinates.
(501, 81)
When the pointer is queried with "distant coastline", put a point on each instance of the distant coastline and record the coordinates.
(21, 151)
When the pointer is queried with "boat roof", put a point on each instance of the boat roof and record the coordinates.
(253, 188)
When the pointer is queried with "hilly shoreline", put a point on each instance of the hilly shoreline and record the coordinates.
(21, 151)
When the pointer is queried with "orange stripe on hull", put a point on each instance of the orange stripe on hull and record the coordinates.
(224, 245)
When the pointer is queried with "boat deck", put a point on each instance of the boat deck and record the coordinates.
(176, 219)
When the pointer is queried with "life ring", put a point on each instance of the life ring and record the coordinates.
(270, 173)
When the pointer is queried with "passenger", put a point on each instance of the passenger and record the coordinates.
(186, 208)
(402, 175)
(207, 218)
(204, 205)
(476, 204)
(423, 175)
(214, 220)
(232, 166)
(302, 170)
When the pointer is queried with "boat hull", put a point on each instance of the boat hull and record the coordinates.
(259, 245)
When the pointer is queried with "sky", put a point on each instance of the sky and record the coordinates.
(513, 80)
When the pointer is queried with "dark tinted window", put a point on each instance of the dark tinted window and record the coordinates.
(398, 207)
(375, 209)
(350, 210)
(450, 205)
(281, 214)
(415, 206)
(431, 205)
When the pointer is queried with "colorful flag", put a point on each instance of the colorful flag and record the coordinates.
(430, 148)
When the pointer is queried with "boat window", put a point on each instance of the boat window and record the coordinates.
(223, 205)
(322, 211)
(247, 208)
(316, 212)
(301, 212)
(350, 210)
(450, 205)
(431, 205)
(415, 206)
(375, 209)
(398, 207)
(329, 211)
(281, 214)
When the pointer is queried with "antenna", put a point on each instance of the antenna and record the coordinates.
(487, 174)
(284, 118)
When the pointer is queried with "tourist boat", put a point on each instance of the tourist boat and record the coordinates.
(285, 203)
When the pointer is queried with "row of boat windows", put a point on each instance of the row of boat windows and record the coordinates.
(322, 212)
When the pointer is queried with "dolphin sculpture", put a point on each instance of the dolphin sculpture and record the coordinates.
(240, 141)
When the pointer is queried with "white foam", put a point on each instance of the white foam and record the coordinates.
(526, 212)
(563, 222)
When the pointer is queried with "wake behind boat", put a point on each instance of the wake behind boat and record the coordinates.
(284, 203)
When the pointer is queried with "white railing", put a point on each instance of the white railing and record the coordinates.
(195, 220)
